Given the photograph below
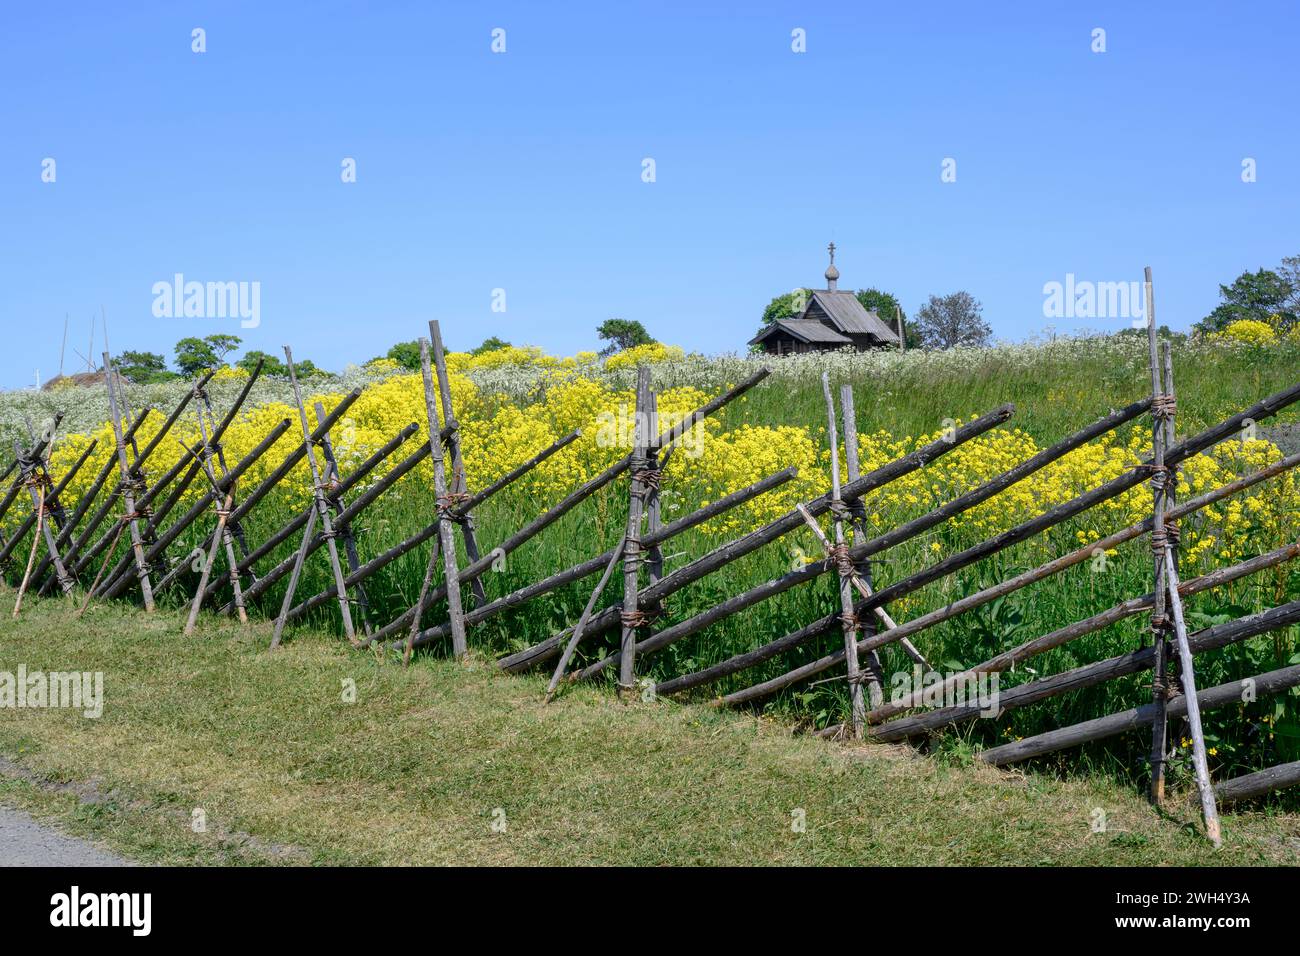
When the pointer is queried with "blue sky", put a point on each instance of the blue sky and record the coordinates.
(522, 171)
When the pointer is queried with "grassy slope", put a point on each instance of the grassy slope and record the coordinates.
(412, 772)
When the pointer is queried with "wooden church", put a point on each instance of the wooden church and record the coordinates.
(832, 319)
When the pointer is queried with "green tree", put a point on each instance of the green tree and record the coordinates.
(406, 354)
(222, 345)
(490, 344)
(622, 334)
(887, 306)
(1255, 295)
(953, 320)
(270, 364)
(193, 355)
(143, 368)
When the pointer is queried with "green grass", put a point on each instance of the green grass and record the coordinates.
(416, 770)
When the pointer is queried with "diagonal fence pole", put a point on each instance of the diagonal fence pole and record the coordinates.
(334, 495)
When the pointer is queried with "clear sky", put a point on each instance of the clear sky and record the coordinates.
(523, 170)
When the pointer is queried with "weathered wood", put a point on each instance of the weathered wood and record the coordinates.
(459, 484)
(1257, 784)
(642, 465)
(838, 554)
(30, 520)
(85, 502)
(444, 505)
(1159, 619)
(654, 565)
(429, 531)
(1187, 677)
(576, 497)
(860, 552)
(733, 550)
(221, 536)
(1185, 449)
(183, 464)
(299, 556)
(322, 507)
(562, 667)
(1088, 675)
(258, 493)
(1223, 695)
(128, 494)
(36, 451)
(592, 565)
(118, 584)
(858, 513)
(334, 495)
(1063, 635)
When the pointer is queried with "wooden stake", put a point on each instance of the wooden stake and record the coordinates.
(643, 477)
(459, 487)
(322, 508)
(335, 498)
(863, 567)
(1159, 620)
(562, 667)
(128, 483)
(839, 554)
(446, 514)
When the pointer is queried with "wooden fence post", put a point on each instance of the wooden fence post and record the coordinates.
(1159, 619)
(459, 485)
(859, 515)
(129, 484)
(446, 517)
(335, 497)
(839, 554)
(322, 511)
(643, 476)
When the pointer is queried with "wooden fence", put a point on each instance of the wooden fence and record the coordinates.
(120, 547)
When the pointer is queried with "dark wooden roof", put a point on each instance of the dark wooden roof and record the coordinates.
(805, 330)
(848, 315)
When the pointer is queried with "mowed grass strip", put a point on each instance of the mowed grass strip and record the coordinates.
(446, 763)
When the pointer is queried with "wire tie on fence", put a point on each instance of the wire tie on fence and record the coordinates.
(1159, 540)
(840, 511)
(838, 556)
(1164, 406)
(633, 619)
(1173, 533)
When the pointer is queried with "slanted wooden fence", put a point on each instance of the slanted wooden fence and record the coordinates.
(83, 546)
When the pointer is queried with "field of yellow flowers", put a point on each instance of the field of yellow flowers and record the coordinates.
(514, 402)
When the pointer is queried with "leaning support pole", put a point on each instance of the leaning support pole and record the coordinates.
(129, 484)
(1160, 409)
(322, 507)
(644, 476)
(458, 489)
(222, 535)
(1187, 678)
(562, 667)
